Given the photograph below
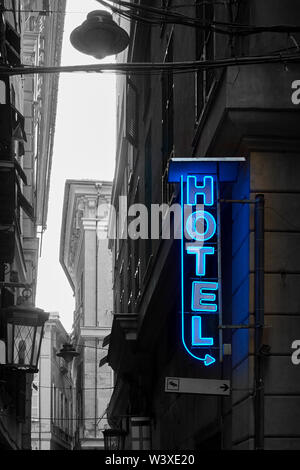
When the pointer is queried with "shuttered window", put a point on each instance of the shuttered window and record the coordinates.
(167, 107)
(205, 46)
(132, 113)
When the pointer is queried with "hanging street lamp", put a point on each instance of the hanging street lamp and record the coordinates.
(99, 35)
(67, 352)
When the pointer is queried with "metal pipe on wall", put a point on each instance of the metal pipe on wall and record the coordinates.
(259, 322)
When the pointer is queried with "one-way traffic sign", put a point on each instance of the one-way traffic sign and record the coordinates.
(200, 386)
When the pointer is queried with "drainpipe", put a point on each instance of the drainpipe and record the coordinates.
(259, 322)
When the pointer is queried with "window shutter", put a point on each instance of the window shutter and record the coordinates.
(132, 113)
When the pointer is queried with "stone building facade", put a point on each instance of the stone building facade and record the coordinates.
(233, 111)
(86, 260)
(52, 393)
(30, 35)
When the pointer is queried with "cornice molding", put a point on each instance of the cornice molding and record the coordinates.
(82, 211)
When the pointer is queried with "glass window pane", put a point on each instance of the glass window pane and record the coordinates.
(2, 92)
(36, 345)
(23, 341)
(9, 342)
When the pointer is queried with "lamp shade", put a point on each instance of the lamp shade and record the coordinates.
(67, 352)
(24, 333)
(99, 36)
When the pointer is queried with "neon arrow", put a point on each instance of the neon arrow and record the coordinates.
(208, 360)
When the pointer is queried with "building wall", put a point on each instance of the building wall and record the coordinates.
(87, 262)
(52, 405)
(33, 101)
(246, 111)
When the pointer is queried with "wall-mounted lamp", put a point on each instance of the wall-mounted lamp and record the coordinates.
(24, 329)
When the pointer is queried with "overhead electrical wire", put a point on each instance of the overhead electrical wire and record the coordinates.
(68, 388)
(160, 16)
(72, 419)
(157, 16)
(168, 17)
(156, 67)
(67, 12)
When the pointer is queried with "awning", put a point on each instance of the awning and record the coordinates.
(106, 341)
(18, 125)
(26, 206)
(103, 361)
(20, 171)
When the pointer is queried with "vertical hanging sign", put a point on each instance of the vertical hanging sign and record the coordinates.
(200, 293)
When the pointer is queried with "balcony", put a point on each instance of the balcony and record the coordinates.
(61, 434)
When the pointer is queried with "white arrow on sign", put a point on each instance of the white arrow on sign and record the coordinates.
(201, 386)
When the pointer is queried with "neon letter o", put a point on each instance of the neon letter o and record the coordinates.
(191, 226)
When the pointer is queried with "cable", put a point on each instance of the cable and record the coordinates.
(178, 18)
(138, 67)
(71, 419)
(85, 346)
(69, 387)
(207, 2)
(42, 12)
(173, 17)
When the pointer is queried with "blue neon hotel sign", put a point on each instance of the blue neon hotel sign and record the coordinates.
(199, 267)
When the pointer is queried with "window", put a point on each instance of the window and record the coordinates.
(167, 123)
(132, 113)
(53, 414)
(35, 399)
(80, 291)
(66, 415)
(129, 282)
(12, 95)
(70, 416)
(46, 7)
(205, 44)
(130, 163)
(164, 4)
(130, 302)
(12, 45)
(2, 92)
(147, 76)
(167, 107)
(141, 433)
(123, 206)
(168, 189)
(61, 420)
(137, 281)
(122, 290)
(148, 192)
(56, 407)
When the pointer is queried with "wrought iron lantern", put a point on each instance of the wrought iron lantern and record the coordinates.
(67, 352)
(114, 439)
(24, 334)
(99, 35)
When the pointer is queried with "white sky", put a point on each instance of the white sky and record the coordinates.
(84, 148)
